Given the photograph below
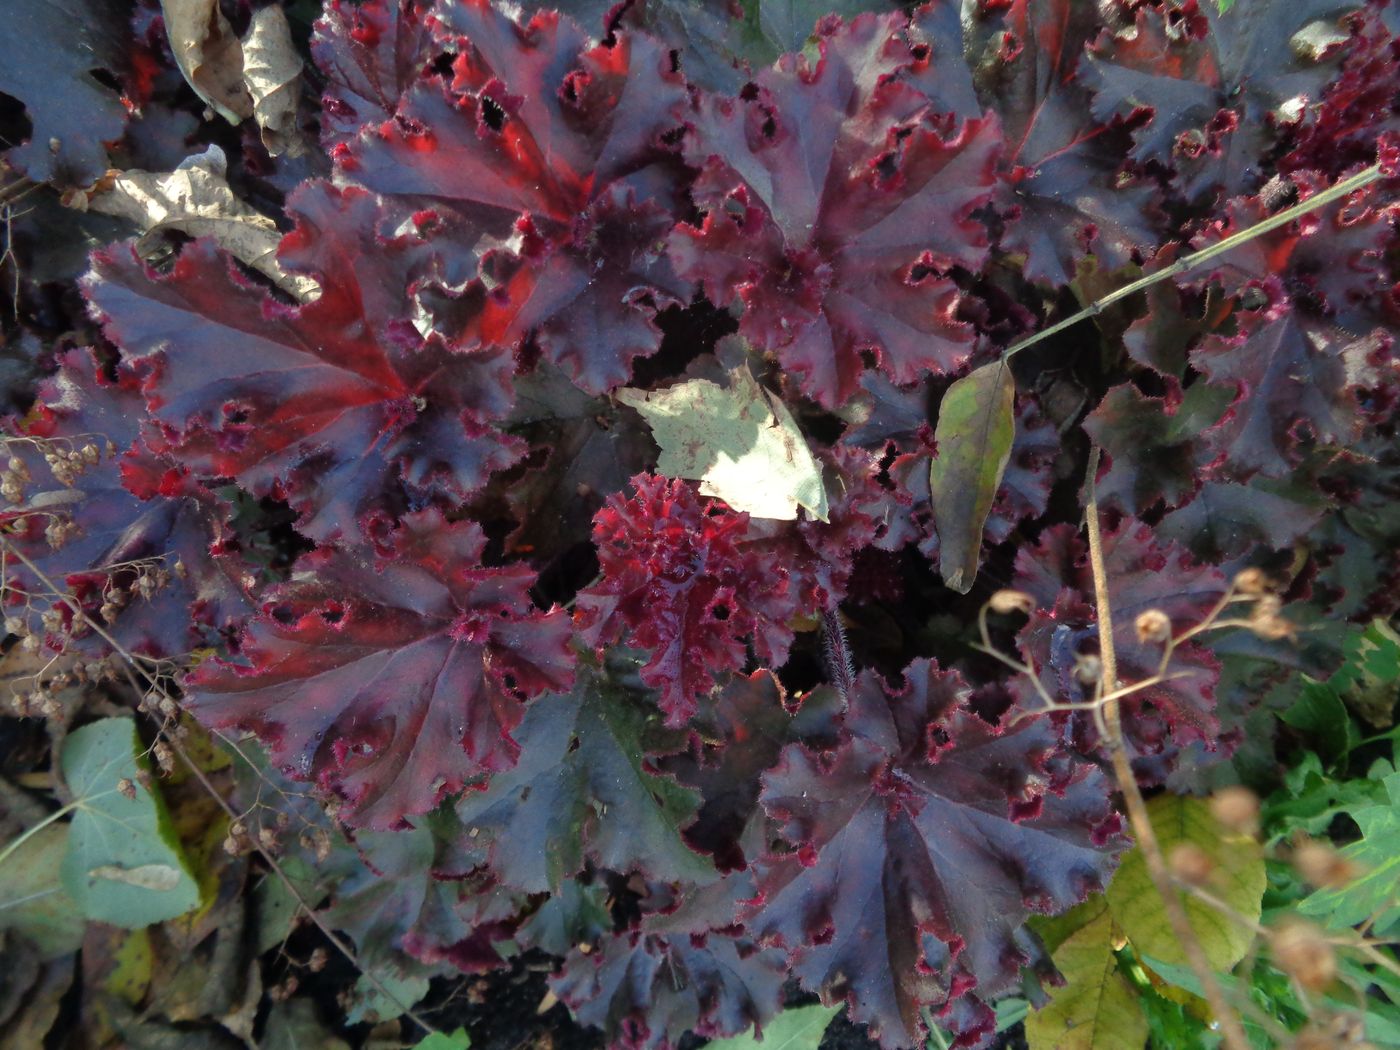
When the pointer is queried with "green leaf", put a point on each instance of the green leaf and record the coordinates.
(797, 1029)
(1322, 718)
(277, 906)
(33, 902)
(1238, 880)
(1097, 1008)
(124, 863)
(740, 443)
(391, 996)
(1375, 895)
(976, 425)
(458, 1040)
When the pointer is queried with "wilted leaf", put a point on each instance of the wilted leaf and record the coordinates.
(1238, 880)
(122, 851)
(1096, 1008)
(741, 444)
(195, 199)
(209, 55)
(976, 425)
(272, 72)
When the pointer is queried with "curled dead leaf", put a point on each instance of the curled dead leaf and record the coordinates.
(196, 200)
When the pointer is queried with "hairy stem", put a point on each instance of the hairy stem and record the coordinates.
(1231, 1030)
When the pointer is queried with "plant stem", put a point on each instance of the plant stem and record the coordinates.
(1348, 185)
(131, 668)
(56, 815)
(1231, 1030)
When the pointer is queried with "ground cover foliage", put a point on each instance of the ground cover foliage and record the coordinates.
(495, 489)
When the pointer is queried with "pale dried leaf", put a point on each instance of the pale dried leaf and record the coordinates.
(209, 55)
(740, 443)
(272, 72)
(196, 200)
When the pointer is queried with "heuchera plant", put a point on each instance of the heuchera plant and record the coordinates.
(567, 704)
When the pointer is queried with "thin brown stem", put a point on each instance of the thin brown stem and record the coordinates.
(130, 667)
(1231, 1030)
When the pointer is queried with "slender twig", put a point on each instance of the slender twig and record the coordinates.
(1349, 185)
(1231, 1030)
(130, 668)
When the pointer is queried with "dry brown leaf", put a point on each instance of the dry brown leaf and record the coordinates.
(209, 55)
(196, 200)
(272, 72)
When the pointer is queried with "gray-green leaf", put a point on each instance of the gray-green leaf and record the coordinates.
(124, 864)
(740, 443)
(976, 426)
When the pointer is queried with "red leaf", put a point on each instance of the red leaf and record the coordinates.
(920, 845)
(1064, 197)
(325, 403)
(369, 53)
(140, 544)
(1211, 85)
(833, 216)
(679, 581)
(1330, 260)
(396, 685)
(1291, 383)
(538, 121)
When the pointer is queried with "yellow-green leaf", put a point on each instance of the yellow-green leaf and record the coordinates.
(976, 425)
(1097, 1008)
(740, 443)
(1237, 880)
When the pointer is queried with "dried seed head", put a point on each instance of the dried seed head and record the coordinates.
(1272, 628)
(90, 454)
(1236, 809)
(1009, 601)
(1302, 951)
(30, 643)
(1190, 864)
(127, 787)
(165, 758)
(318, 960)
(16, 466)
(318, 841)
(14, 625)
(1322, 866)
(1088, 668)
(1153, 627)
(267, 838)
